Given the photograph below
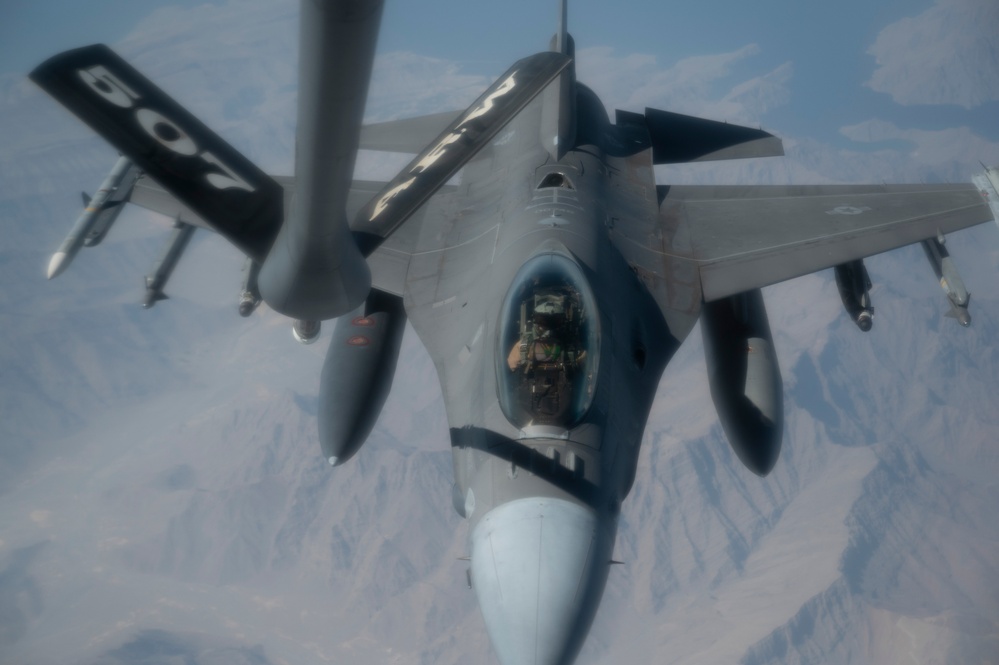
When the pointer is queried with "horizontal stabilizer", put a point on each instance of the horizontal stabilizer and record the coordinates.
(407, 135)
(189, 160)
(678, 139)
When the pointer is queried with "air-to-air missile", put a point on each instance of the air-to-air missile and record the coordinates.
(855, 291)
(950, 279)
(99, 213)
(155, 283)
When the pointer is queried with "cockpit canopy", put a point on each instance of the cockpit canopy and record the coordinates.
(549, 343)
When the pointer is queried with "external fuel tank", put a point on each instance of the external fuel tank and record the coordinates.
(745, 380)
(357, 374)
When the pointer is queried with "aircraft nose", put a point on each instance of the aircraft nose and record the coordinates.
(539, 566)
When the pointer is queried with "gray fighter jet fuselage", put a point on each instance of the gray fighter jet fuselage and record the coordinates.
(547, 409)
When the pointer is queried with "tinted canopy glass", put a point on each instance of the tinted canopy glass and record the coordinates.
(546, 361)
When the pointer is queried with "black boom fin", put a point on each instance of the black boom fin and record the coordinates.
(169, 144)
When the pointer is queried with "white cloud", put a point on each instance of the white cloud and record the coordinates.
(405, 85)
(634, 81)
(949, 54)
(944, 154)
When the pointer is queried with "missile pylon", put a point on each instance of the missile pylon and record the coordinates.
(166, 263)
(249, 295)
(950, 279)
(99, 213)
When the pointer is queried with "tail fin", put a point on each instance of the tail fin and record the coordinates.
(168, 143)
(562, 36)
(558, 116)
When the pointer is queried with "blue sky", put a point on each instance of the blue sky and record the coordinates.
(826, 44)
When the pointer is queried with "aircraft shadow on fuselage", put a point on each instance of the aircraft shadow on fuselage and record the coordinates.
(528, 459)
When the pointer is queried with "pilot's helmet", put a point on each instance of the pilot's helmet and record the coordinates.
(549, 309)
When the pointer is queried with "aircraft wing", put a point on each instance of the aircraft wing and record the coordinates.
(149, 194)
(741, 238)
(389, 262)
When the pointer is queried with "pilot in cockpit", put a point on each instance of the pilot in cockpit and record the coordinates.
(548, 344)
(546, 339)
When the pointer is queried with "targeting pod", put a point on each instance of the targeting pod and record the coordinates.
(854, 286)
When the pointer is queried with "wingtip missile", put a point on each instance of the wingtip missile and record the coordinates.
(99, 213)
(59, 262)
(949, 278)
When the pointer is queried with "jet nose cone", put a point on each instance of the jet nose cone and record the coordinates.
(539, 567)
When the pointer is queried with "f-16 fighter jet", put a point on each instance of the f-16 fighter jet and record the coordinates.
(551, 286)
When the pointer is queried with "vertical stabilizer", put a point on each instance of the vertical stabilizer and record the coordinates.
(562, 36)
(558, 116)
